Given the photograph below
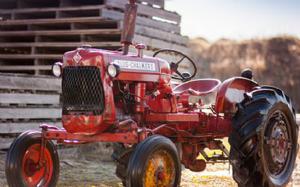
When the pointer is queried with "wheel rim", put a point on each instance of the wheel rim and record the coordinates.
(159, 170)
(32, 172)
(278, 144)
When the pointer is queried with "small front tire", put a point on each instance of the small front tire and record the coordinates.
(154, 162)
(22, 163)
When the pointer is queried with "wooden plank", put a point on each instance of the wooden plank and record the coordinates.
(164, 56)
(24, 68)
(142, 30)
(156, 24)
(149, 53)
(59, 44)
(160, 3)
(12, 82)
(52, 9)
(62, 32)
(5, 142)
(24, 98)
(55, 21)
(30, 113)
(8, 128)
(159, 44)
(29, 56)
(145, 10)
(162, 35)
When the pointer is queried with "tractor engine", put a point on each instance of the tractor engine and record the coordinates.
(101, 88)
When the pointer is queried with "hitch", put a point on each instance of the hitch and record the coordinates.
(216, 158)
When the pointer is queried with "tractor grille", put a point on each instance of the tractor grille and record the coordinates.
(82, 91)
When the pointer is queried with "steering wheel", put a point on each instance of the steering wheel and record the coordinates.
(183, 76)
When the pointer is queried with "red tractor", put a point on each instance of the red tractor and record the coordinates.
(158, 126)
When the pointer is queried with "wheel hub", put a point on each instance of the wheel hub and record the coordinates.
(35, 174)
(279, 148)
(31, 167)
(159, 170)
(159, 173)
(278, 143)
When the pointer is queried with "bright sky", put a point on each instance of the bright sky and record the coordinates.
(237, 19)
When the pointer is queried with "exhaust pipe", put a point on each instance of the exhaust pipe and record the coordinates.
(128, 25)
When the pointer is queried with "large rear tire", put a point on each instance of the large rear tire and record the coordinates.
(22, 162)
(264, 139)
(154, 163)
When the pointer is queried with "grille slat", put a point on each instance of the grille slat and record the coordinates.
(82, 90)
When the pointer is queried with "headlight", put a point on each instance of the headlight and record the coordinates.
(57, 69)
(113, 70)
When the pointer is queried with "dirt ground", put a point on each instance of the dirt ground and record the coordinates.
(86, 172)
(90, 171)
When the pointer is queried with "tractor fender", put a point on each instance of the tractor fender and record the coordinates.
(231, 92)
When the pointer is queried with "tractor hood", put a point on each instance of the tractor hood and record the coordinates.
(131, 66)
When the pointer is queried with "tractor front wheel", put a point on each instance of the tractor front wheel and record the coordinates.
(154, 162)
(264, 139)
(23, 166)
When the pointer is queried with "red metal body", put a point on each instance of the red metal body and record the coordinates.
(157, 106)
(170, 107)
(141, 101)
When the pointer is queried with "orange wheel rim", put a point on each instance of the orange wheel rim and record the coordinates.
(160, 170)
(32, 173)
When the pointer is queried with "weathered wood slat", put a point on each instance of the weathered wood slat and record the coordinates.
(29, 83)
(30, 113)
(29, 56)
(156, 24)
(17, 128)
(8, 128)
(24, 98)
(152, 33)
(164, 56)
(59, 44)
(159, 44)
(55, 21)
(52, 9)
(5, 142)
(162, 35)
(24, 68)
(160, 3)
(62, 32)
(147, 10)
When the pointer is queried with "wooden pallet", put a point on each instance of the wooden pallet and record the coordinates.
(33, 35)
(26, 102)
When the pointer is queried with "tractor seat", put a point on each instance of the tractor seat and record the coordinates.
(198, 87)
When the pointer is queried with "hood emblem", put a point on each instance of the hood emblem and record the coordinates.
(77, 57)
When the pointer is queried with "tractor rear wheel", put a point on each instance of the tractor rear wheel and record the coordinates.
(22, 166)
(264, 139)
(154, 162)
